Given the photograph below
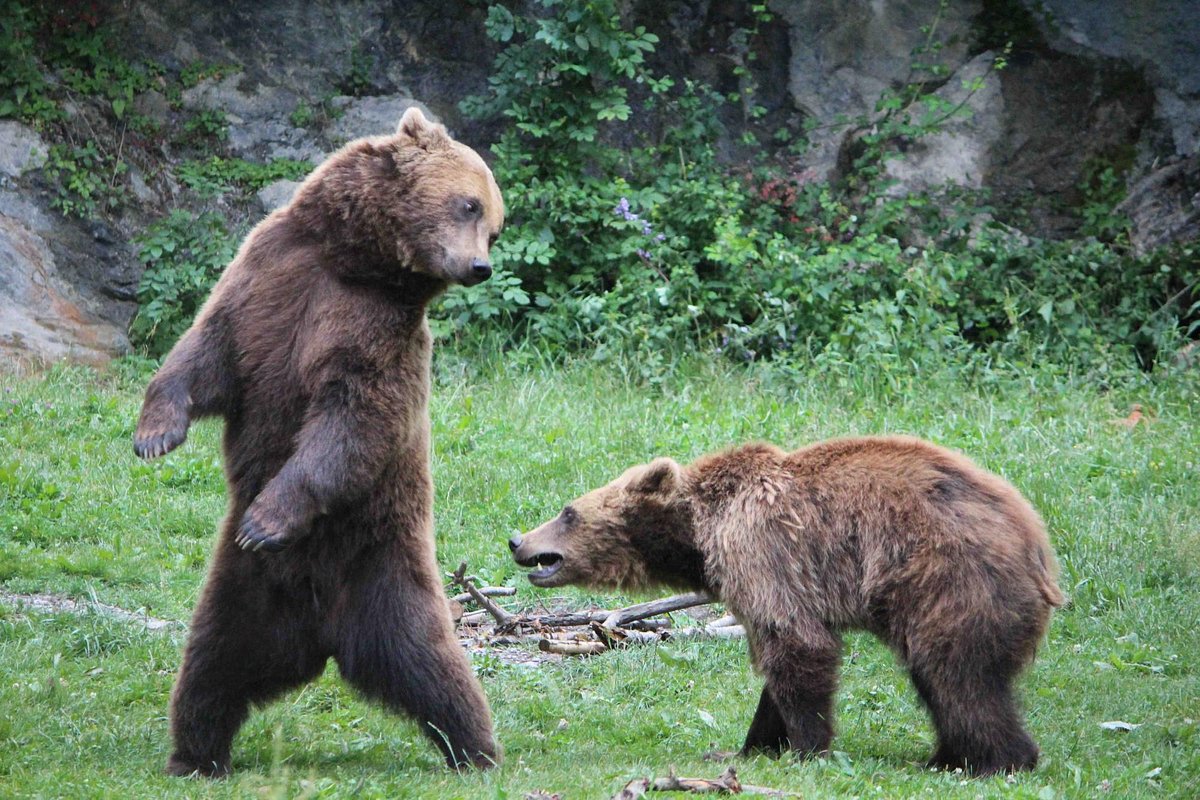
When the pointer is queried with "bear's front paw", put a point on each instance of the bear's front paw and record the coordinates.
(162, 427)
(153, 445)
(260, 533)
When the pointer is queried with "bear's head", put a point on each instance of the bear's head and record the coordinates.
(415, 201)
(634, 532)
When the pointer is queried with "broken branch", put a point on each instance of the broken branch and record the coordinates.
(568, 648)
(461, 579)
(486, 591)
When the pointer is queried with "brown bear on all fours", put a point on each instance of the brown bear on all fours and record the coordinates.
(314, 348)
(943, 561)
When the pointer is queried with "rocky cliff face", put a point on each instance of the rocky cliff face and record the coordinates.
(1085, 80)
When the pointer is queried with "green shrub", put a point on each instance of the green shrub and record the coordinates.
(206, 126)
(216, 175)
(184, 254)
(84, 178)
(630, 237)
(24, 93)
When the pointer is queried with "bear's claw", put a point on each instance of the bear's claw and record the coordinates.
(151, 446)
(253, 537)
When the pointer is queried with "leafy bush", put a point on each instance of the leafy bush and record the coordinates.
(23, 89)
(84, 178)
(629, 236)
(216, 175)
(184, 255)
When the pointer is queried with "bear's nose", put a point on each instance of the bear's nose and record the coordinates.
(514, 542)
(481, 269)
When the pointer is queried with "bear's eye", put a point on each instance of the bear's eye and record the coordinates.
(471, 208)
(569, 516)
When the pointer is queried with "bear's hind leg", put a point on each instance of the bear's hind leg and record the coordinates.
(243, 649)
(801, 673)
(396, 644)
(978, 725)
(768, 732)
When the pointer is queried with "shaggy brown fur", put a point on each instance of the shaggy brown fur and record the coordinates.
(946, 563)
(315, 350)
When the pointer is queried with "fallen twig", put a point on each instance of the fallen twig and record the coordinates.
(461, 579)
(727, 783)
(486, 591)
(571, 648)
(653, 608)
(619, 637)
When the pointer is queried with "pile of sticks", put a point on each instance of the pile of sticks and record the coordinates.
(726, 783)
(582, 632)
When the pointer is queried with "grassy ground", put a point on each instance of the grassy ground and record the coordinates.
(85, 696)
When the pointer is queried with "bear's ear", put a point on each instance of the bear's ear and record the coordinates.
(661, 476)
(416, 129)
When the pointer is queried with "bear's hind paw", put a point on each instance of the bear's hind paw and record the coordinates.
(186, 768)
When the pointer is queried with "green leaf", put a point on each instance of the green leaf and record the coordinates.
(1046, 311)
(676, 658)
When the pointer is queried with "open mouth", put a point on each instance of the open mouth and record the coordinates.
(548, 564)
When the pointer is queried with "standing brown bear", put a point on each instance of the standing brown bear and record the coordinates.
(944, 562)
(315, 349)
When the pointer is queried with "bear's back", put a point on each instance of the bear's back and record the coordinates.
(835, 528)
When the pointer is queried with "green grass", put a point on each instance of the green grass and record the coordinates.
(85, 696)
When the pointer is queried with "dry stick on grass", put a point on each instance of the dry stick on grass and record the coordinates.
(623, 615)
(486, 591)
(727, 783)
(618, 637)
(655, 607)
(461, 579)
(569, 648)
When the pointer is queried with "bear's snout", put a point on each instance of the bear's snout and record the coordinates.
(481, 270)
(528, 554)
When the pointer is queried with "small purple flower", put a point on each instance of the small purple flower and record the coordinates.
(661, 237)
(645, 255)
(622, 210)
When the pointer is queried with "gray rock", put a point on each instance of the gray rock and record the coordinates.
(1163, 36)
(141, 190)
(1182, 119)
(424, 47)
(1162, 39)
(257, 115)
(240, 97)
(961, 152)
(1164, 207)
(42, 316)
(844, 54)
(371, 116)
(21, 149)
(276, 195)
(154, 106)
